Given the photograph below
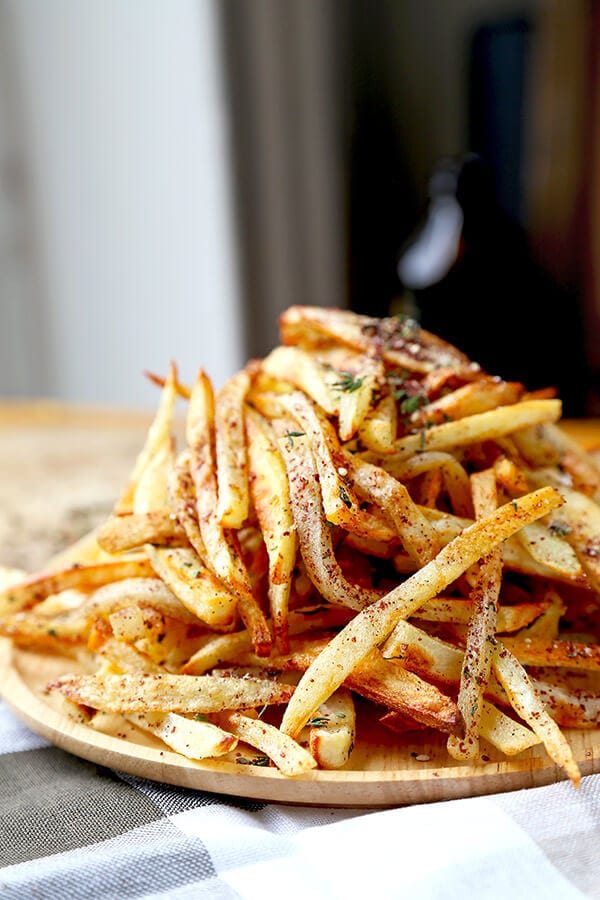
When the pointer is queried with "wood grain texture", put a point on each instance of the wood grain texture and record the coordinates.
(56, 457)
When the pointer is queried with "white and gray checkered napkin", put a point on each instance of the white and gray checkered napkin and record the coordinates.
(72, 830)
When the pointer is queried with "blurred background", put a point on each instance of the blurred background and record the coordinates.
(174, 174)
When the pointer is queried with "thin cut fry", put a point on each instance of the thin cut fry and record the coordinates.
(375, 622)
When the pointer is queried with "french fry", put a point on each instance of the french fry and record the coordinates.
(399, 340)
(148, 592)
(227, 648)
(332, 731)
(480, 641)
(222, 549)
(187, 694)
(129, 532)
(230, 449)
(27, 593)
(388, 522)
(270, 498)
(527, 704)
(378, 429)
(314, 535)
(392, 497)
(456, 480)
(483, 426)
(374, 623)
(191, 738)
(287, 755)
(158, 435)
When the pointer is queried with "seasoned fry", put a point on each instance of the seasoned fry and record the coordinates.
(527, 703)
(364, 523)
(129, 532)
(230, 449)
(480, 640)
(287, 755)
(25, 594)
(170, 693)
(376, 622)
(221, 546)
(333, 731)
(190, 737)
(483, 426)
(271, 501)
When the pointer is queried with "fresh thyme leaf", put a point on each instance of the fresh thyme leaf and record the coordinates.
(560, 529)
(292, 434)
(410, 403)
(318, 722)
(349, 382)
(200, 718)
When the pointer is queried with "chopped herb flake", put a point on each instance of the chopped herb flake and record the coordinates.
(344, 497)
(255, 761)
(349, 382)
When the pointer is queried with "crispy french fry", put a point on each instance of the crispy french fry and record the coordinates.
(222, 549)
(192, 738)
(25, 594)
(188, 694)
(287, 755)
(129, 532)
(332, 731)
(230, 449)
(480, 641)
(314, 535)
(479, 427)
(270, 494)
(374, 623)
(158, 435)
(527, 704)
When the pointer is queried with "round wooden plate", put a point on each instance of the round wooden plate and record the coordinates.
(76, 461)
(384, 770)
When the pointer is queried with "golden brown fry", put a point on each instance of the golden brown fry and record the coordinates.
(468, 400)
(528, 705)
(33, 590)
(333, 731)
(271, 501)
(399, 340)
(374, 623)
(314, 534)
(170, 693)
(222, 548)
(230, 450)
(480, 641)
(158, 435)
(483, 426)
(373, 482)
(120, 533)
(148, 592)
(383, 681)
(287, 755)
(216, 651)
(192, 738)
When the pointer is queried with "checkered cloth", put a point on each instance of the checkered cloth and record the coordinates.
(72, 830)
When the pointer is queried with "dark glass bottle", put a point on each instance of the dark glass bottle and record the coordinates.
(475, 282)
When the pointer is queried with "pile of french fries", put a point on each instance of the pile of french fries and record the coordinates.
(364, 513)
